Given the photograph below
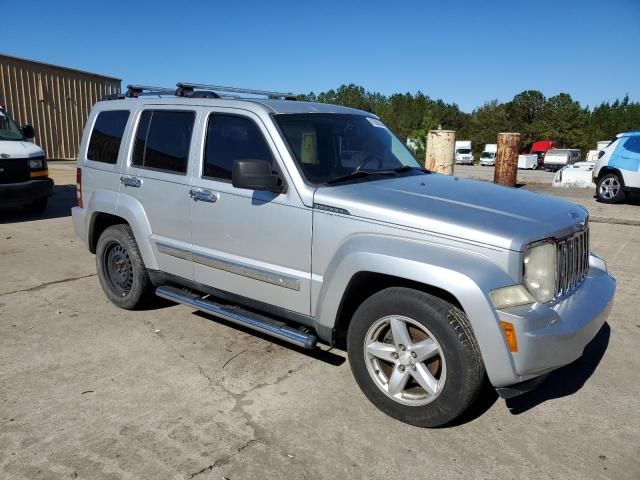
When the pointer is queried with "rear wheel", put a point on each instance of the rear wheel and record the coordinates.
(121, 270)
(610, 188)
(415, 357)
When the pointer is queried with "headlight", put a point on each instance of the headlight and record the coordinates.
(35, 164)
(540, 271)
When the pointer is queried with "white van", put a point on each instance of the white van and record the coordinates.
(24, 177)
(463, 154)
(488, 156)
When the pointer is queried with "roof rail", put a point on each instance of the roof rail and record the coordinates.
(185, 88)
(134, 91)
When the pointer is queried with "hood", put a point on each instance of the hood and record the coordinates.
(483, 212)
(19, 149)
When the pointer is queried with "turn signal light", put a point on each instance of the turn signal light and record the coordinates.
(39, 173)
(510, 336)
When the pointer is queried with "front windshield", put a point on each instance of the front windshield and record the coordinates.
(8, 128)
(330, 146)
(464, 151)
(487, 155)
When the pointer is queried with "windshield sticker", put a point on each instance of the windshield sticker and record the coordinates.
(309, 149)
(376, 123)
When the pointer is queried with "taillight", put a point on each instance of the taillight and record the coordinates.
(79, 186)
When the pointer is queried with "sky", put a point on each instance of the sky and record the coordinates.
(464, 52)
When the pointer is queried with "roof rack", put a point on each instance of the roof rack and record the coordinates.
(134, 91)
(188, 89)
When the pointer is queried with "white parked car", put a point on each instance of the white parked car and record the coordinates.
(617, 171)
(577, 175)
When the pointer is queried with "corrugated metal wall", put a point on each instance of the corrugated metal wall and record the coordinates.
(55, 100)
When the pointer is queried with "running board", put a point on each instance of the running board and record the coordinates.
(239, 316)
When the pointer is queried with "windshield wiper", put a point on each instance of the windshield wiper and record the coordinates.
(359, 174)
(366, 173)
(407, 168)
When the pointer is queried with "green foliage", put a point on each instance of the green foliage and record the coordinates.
(530, 113)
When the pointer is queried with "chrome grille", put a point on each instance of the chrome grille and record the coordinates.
(572, 261)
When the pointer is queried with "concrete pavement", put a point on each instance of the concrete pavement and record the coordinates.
(91, 391)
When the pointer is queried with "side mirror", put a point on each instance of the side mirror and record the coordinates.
(255, 175)
(28, 131)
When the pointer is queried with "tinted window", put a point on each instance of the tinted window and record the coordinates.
(107, 136)
(162, 140)
(633, 144)
(231, 138)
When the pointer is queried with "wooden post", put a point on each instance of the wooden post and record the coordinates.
(506, 171)
(440, 146)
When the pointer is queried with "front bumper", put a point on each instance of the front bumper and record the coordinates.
(553, 335)
(25, 192)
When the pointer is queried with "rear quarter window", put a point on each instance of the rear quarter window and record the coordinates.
(106, 136)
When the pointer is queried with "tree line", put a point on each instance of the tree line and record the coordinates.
(534, 116)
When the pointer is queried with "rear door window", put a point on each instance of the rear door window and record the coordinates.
(162, 140)
(106, 136)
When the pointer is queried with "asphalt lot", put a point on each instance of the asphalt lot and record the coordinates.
(91, 391)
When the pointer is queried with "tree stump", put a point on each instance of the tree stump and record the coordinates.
(440, 147)
(506, 172)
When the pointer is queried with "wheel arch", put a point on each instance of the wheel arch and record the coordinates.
(363, 285)
(461, 277)
(607, 169)
(123, 209)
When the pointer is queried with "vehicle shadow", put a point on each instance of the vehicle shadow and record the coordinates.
(324, 353)
(60, 203)
(566, 380)
(632, 199)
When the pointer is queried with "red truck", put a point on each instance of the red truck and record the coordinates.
(540, 148)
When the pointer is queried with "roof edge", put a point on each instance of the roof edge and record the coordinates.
(60, 67)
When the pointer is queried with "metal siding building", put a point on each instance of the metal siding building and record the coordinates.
(55, 100)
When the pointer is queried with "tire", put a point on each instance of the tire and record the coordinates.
(456, 368)
(38, 206)
(121, 271)
(610, 188)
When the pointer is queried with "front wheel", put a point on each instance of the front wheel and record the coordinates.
(121, 270)
(415, 357)
(610, 189)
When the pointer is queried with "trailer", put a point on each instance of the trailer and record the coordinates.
(528, 161)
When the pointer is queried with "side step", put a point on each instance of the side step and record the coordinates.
(240, 316)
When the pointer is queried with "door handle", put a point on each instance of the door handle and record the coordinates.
(131, 182)
(203, 196)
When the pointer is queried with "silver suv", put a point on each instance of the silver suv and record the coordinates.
(312, 222)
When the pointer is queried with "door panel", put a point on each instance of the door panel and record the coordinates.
(158, 176)
(253, 244)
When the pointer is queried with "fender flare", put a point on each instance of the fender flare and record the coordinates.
(128, 208)
(468, 276)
